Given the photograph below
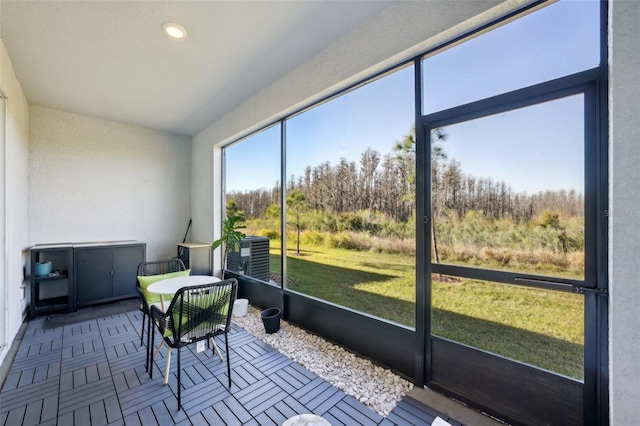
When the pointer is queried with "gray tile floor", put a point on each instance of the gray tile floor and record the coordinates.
(92, 373)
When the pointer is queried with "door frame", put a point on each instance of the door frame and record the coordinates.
(4, 273)
(505, 388)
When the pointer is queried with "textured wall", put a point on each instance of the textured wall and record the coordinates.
(96, 180)
(15, 173)
(624, 211)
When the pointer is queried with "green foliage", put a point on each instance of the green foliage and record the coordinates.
(365, 221)
(233, 210)
(550, 242)
(342, 240)
(297, 202)
(393, 229)
(407, 145)
(272, 234)
(313, 238)
(350, 222)
(231, 236)
(320, 221)
(273, 212)
(548, 219)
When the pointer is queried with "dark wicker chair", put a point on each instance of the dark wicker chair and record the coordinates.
(147, 269)
(196, 313)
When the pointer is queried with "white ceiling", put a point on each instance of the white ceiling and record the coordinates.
(111, 60)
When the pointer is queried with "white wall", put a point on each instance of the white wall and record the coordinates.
(397, 34)
(624, 209)
(15, 172)
(97, 180)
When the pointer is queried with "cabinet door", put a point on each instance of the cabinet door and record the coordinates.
(125, 269)
(93, 274)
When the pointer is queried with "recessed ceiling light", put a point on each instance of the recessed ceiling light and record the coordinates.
(174, 30)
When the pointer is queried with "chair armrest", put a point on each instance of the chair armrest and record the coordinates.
(157, 313)
(143, 299)
(160, 318)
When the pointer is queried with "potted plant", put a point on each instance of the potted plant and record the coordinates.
(231, 237)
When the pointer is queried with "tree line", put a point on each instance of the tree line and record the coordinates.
(455, 191)
(386, 185)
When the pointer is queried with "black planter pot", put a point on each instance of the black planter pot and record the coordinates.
(271, 320)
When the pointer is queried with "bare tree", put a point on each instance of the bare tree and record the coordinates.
(369, 162)
(297, 204)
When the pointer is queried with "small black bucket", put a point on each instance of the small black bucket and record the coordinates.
(271, 319)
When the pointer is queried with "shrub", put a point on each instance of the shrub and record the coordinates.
(576, 260)
(341, 240)
(320, 221)
(272, 234)
(548, 219)
(393, 229)
(350, 222)
(406, 246)
(313, 238)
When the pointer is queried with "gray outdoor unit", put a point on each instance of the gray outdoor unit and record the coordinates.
(252, 259)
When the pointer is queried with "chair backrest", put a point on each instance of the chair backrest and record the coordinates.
(160, 267)
(201, 311)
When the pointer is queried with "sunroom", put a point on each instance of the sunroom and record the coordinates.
(445, 188)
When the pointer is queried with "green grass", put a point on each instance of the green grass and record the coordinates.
(538, 327)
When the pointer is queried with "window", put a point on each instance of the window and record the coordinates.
(512, 186)
(549, 43)
(351, 199)
(508, 190)
(253, 192)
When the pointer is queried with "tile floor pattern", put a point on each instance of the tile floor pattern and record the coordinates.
(92, 373)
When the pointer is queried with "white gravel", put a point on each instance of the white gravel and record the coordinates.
(377, 387)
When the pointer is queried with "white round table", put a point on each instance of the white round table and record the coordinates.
(172, 285)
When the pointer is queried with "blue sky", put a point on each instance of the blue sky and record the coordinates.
(533, 149)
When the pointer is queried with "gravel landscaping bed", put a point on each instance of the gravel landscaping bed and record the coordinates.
(377, 387)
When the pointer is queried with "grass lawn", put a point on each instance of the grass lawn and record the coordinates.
(538, 327)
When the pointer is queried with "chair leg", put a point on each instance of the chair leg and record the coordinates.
(144, 317)
(151, 359)
(152, 356)
(166, 369)
(146, 357)
(179, 401)
(226, 344)
(157, 351)
(215, 348)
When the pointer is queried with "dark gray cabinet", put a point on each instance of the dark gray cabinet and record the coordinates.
(106, 272)
(53, 290)
(83, 274)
